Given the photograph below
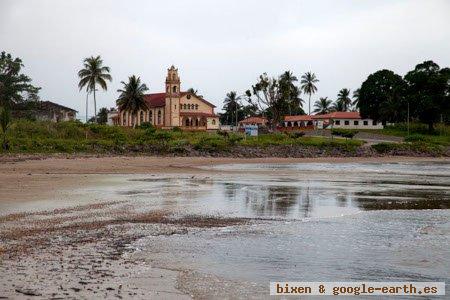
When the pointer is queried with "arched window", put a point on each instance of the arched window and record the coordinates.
(184, 106)
(196, 106)
(196, 122)
(150, 116)
(142, 117)
(189, 106)
(159, 117)
(186, 122)
(175, 89)
(213, 122)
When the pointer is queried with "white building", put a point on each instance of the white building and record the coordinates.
(346, 120)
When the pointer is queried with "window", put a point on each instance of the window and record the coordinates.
(213, 122)
(196, 106)
(374, 123)
(159, 117)
(365, 123)
(337, 122)
(189, 106)
(355, 122)
(175, 89)
(188, 96)
(141, 117)
(346, 122)
(124, 120)
(175, 106)
(150, 117)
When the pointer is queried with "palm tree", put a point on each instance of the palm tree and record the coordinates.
(287, 85)
(5, 120)
(356, 97)
(323, 106)
(232, 103)
(194, 91)
(344, 97)
(92, 74)
(131, 97)
(337, 106)
(308, 86)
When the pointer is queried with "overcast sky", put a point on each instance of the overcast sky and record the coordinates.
(219, 46)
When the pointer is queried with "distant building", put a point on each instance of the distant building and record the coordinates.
(300, 122)
(346, 120)
(258, 121)
(113, 117)
(50, 111)
(174, 108)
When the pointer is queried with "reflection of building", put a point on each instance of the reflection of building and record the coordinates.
(174, 108)
(50, 111)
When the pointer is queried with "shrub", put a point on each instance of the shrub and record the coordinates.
(178, 146)
(417, 138)
(177, 129)
(385, 147)
(296, 134)
(233, 139)
(347, 133)
(211, 144)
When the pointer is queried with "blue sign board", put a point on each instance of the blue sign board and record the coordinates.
(251, 130)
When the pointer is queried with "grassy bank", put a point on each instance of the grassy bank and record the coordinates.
(35, 137)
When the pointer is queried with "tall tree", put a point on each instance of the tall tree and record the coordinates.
(131, 97)
(15, 87)
(93, 74)
(268, 97)
(308, 86)
(231, 105)
(429, 92)
(291, 94)
(355, 98)
(102, 116)
(323, 106)
(381, 97)
(337, 106)
(344, 97)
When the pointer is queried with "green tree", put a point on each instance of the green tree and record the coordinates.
(93, 74)
(381, 97)
(231, 106)
(5, 120)
(337, 106)
(195, 92)
(15, 87)
(102, 116)
(355, 98)
(323, 106)
(344, 97)
(308, 86)
(429, 92)
(131, 97)
(291, 94)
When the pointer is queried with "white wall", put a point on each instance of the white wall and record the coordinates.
(351, 124)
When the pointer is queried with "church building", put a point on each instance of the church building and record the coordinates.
(174, 108)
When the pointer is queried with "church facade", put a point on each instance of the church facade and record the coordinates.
(173, 108)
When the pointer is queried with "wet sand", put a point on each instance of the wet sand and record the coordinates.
(55, 246)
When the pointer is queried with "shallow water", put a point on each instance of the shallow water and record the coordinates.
(310, 222)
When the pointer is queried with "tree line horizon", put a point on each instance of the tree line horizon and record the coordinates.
(423, 94)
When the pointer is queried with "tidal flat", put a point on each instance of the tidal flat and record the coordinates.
(220, 229)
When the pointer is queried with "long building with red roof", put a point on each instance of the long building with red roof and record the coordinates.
(173, 108)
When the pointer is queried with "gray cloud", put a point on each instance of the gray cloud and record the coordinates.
(221, 45)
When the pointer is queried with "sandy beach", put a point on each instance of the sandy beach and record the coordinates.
(55, 245)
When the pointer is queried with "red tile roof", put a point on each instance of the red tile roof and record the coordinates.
(339, 115)
(159, 99)
(297, 118)
(254, 120)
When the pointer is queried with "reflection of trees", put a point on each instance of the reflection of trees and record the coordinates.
(272, 200)
(306, 204)
(341, 200)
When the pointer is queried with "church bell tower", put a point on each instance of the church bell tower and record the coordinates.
(172, 108)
